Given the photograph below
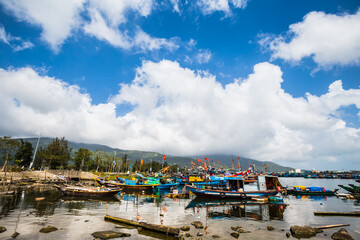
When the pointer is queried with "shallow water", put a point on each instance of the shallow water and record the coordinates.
(78, 218)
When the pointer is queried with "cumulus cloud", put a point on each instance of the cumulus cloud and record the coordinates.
(57, 19)
(105, 20)
(211, 6)
(189, 112)
(16, 43)
(328, 39)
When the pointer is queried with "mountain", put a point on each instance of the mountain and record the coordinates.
(182, 161)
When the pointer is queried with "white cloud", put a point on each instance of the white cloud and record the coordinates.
(3, 35)
(175, 3)
(327, 38)
(15, 42)
(203, 56)
(60, 20)
(211, 6)
(56, 18)
(189, 112)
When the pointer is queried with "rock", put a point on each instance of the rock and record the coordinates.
(270, 228)
(197, 224)
(302, 231)
(199, 234)
(235, 234)
(235, 228)
(86, 221)
(2, 229)
(185, 228)
(15, 235)
(288, 234)
(188, 235)
(48, 229)
(199, 239)
(215, 236)
(240, 230)
(109, 234)
(342, 234)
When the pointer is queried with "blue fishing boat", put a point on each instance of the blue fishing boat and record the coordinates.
(237, 188)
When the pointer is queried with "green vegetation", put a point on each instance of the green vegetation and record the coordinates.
(8, 146)
(59, 153)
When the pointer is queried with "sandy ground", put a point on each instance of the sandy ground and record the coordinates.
(47, 174)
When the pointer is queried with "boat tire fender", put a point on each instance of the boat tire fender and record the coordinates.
(222, 194)
(243, 195)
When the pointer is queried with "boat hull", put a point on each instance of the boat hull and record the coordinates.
(308, 193)
(88, 193)
(221, 194)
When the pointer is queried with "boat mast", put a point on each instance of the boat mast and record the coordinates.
(37, 145)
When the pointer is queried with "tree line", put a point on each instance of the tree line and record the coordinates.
(58, 155)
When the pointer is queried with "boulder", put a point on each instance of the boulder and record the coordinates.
(197, 224)
(342, 234)
(302, 231)
(2, 229)
(235, 234)
(288, 234)
(48, 229)
(185, 228)
(215, 236)
(188, 235)
(270, 228)
(109, 234)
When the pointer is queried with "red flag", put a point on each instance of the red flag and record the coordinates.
(206, 159)
(218, 162)
(238, 157)
(201, 161)
(233, 160)
(237, 165)
(142, 162)
(197, 160)
(164, 157)
(205, 166)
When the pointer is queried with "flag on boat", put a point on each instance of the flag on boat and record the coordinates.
(164, 157)
(238, 157)
(141, 162)
(207, 159)
(233, 160)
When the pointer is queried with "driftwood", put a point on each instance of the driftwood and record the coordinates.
(148, 226)
(332, 226)
(350, 214)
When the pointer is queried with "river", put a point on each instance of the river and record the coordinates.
(78, 218)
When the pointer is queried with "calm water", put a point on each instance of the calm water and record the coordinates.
(77, 219)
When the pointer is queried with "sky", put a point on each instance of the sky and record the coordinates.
(265, 79)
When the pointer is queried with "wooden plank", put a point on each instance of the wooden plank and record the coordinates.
(148, 226)
(332, 226)
(352, 214)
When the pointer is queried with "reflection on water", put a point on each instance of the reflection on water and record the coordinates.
(77, 218)
(217, 209)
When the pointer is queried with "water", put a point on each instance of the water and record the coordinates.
(78, 218)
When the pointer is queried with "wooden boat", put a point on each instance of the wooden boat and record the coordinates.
(88, 191)
(312, 191)
(349, 188)
(357, 180)
(237, 188)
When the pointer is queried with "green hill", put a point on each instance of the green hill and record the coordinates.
(182, 161)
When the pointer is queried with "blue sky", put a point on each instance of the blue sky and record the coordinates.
(270, 80)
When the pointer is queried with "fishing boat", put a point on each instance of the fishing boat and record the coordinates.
(237, 188)
(311, 191)
(97, 192)
(351, 188)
